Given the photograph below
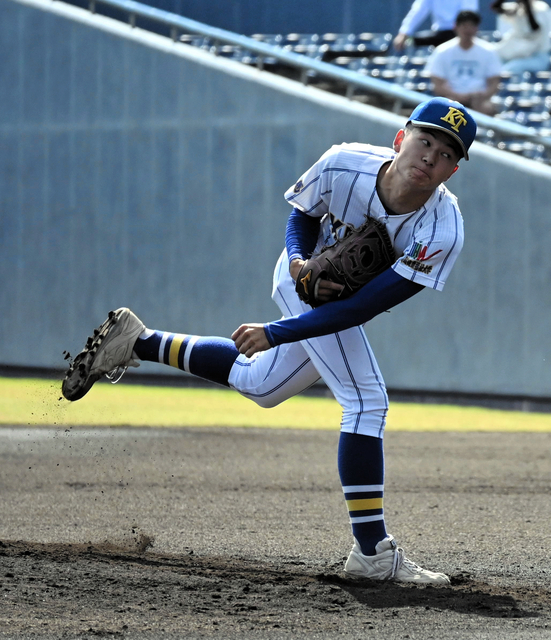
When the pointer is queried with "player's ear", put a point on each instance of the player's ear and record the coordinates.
(454, 170)
(398, 140)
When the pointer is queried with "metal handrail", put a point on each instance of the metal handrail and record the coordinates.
(352, 80)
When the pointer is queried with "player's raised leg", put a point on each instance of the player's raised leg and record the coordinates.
(123, 340)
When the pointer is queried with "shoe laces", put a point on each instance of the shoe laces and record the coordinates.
(116, 374)
(398, 560)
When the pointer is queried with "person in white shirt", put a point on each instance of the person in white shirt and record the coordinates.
(525, 45)
(466, 68)
(442, 15)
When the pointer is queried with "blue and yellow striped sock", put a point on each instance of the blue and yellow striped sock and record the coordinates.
(207, 357)
(361, 469)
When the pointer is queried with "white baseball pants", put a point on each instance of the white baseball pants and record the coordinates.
(344, 360)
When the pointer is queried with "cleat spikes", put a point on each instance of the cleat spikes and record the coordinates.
(108, 352)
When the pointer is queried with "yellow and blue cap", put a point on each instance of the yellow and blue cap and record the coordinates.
(448, 116)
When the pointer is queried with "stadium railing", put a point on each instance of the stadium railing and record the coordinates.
(308, 65)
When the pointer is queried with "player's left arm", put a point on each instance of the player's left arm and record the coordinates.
(381, 294)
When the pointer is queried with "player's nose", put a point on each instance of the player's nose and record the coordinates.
(429, 157)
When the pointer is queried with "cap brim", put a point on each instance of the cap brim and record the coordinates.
(429, 125)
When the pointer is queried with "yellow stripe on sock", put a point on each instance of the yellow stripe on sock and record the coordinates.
(175, 350)
(365, 504)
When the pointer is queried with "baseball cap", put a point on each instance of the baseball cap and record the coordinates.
(448, 116)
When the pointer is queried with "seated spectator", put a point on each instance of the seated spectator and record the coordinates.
(466, 69)
(442, 15)
(525, 45)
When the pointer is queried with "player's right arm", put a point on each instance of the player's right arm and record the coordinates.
(381, 294)
(301, 237)
(310, 196)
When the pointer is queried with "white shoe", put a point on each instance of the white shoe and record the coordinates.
(108, 352)
(389, 563)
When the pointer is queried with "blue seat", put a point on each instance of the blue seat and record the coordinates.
(350, 44)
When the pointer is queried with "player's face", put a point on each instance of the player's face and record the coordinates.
(426, 157)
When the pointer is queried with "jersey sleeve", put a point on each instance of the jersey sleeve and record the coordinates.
(301, 234)
(312, 191)
(380, 294)
(433, 250)
(419, 11)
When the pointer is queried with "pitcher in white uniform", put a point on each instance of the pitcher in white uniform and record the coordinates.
(403, 187)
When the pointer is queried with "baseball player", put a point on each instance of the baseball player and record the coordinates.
(403, 188)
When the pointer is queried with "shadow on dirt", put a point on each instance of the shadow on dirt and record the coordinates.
(463, 596)
(129, 575)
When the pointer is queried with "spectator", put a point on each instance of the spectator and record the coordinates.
(525, 45)
(442, 15)
(466, 68)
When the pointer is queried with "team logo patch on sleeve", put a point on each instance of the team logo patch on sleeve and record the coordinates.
(298, 186)
(417, 259)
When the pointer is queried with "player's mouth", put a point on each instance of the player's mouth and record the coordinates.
(420, 173)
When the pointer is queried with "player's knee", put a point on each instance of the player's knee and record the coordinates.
(267, 402)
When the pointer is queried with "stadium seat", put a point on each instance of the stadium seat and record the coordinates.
(522, 98)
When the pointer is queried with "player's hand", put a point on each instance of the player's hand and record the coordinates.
(325, 291)
(250, 339)
(400, 42)
(295, 267)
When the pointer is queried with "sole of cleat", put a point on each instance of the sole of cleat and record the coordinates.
(78, 381)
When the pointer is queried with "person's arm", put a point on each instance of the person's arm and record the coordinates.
(381, 294)
(442, 88)
(492, 85)
(417, 14)
(420, 9)
(301, 234)
(301, 237)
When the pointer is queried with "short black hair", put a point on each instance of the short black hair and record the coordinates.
(468, 16)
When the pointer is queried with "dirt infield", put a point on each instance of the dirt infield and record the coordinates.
(242, 533)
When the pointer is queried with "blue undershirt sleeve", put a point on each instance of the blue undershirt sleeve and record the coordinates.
(301, 234)
(381, 294)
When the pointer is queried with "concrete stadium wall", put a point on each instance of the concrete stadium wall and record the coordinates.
(134, 172)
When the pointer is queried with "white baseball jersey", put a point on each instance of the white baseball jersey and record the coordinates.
(341, 187)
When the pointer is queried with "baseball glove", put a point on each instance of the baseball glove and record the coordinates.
(355, 259)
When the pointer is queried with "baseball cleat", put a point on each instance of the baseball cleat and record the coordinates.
(107, 352)
(389, 563)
